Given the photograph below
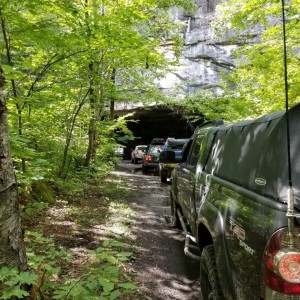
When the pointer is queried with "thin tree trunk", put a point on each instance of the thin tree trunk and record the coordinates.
(12, 252)
(112, 109)
(75, 113)
(92, 128)
(91, 146)
(112, 101)
(93, 134)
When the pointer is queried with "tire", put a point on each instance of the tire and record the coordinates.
(144, 170)
(163, 178)
(176, 221)
(209, 282)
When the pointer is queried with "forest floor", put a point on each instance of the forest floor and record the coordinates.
(133, 209)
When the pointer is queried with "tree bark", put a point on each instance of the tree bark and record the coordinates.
(112, 101)
(92, 129)
(12, 251)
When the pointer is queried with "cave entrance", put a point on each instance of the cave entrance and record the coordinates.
(158, 122)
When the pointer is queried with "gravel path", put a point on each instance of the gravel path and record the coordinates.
(164, 272)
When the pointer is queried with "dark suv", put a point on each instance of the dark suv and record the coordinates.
(151, 157)
(165, 165)
(236, 194)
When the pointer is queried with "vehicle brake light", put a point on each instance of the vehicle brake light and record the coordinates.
(281, 265)
(148, 158)
(289, 267)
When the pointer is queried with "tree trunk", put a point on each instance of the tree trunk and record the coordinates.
(14, 89)
(92, 140)
(112, 109)
(76, 111)
(92, 128)
(12, 252)
(112, 101)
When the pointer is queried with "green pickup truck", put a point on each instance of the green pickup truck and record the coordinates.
(236, 195)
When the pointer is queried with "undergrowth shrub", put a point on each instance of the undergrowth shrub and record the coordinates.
(12, 283)
(102, 278)
(32, 210)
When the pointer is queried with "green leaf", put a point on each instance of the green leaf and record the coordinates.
(112, 259)
(108, 287)
(124, 254)
(105, 243)
(78, 290)
(114, 295)
(15, 292)
(127, 286)
(117, 244)
(92, 284)
(111, 270)
(5, 272)
(28, 278)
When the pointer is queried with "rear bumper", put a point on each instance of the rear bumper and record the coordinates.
(150, 165)
(166, 169)
(138, 158)
(273, 295)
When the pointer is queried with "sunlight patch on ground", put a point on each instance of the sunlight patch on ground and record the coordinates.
(118, 230)
(123, 174)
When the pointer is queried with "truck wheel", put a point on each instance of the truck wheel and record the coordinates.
(144, 170)
(163, 177)
(176, 221)
(209, 282)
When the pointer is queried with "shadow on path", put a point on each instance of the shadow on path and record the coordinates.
(165, 273)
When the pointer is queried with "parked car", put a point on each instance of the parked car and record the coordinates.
(119, 150)
(158, 141)
(236, 195)
(165, 161)
(138, 153)
(151, 158)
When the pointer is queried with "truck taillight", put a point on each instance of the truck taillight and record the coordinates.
(289, 267)
(148, 158)
(281, 265)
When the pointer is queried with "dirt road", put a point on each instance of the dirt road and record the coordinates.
(163, 270)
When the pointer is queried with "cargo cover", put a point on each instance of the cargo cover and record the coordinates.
(254, 154)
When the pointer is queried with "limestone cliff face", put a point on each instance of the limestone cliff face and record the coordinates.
(204, 56)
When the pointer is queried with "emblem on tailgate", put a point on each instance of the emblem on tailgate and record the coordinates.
(260, 181)
(240, 233)
(237, 230)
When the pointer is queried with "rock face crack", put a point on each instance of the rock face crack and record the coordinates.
(205, 54)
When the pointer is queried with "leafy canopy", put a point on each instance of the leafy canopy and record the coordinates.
(65, 61)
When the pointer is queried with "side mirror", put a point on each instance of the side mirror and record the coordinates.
(167, 157)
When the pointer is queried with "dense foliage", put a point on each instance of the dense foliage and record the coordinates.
(66, 64)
